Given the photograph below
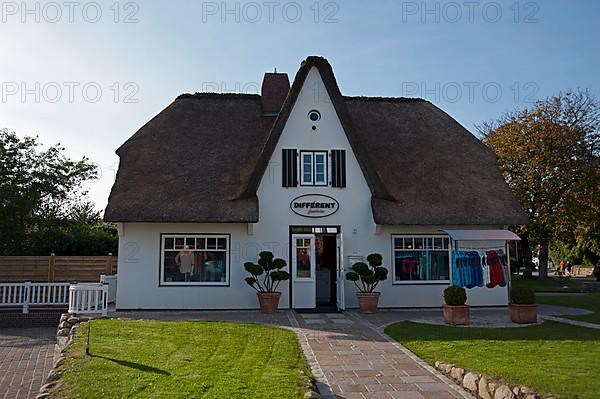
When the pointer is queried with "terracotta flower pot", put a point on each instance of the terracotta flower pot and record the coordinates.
(368, 301)
(458, 315)
(523, 314)
(269, 301)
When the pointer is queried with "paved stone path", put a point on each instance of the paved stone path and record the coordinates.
(352, 358)
(572, 322)
(26, 357)
(553, 313)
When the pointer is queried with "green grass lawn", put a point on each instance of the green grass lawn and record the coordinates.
(553, 358)
(154, 359)
(588, 301)
(547, 285)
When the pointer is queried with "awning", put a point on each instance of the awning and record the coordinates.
(482, 235)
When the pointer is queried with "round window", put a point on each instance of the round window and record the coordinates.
(314, 115)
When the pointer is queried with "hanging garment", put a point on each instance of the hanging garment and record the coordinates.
(409, 267)
(496, 274)
(471, 273)
(505, 269)
(486, 270)
(472, 269)
(456, 275)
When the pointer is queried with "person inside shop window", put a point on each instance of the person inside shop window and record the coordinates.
(185, 261)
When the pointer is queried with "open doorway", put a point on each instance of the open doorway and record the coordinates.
(316, 255)
(326, 269)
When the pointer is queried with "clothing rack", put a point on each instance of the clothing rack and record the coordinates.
(466, 275)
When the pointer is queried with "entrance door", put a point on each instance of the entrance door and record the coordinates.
(341, 278)
(304, 289)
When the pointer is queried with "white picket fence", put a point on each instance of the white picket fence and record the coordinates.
(28, 293)
(89, 298)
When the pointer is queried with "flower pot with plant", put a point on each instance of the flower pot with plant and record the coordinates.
(455, 311)
(267, 274)
(369, 276)
(523, 309)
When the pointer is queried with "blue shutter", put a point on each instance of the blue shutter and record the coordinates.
(338, 168)
(289, 165)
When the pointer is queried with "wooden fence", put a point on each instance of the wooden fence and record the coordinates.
(56, 268)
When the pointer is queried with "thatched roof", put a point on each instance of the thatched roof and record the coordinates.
(202, 158)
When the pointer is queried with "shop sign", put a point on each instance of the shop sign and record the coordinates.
(314, 205)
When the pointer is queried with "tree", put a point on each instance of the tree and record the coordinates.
(41, 206)
(549, 156)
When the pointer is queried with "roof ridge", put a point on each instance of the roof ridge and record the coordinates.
(389, 99)
(199, 95)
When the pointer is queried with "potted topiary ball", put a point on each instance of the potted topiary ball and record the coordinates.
(455, 311)
(369, 276)
(523, 309)
(266, 276)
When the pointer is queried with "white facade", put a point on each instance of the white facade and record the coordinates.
(140, 243)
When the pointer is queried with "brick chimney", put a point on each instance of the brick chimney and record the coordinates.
(274, 90)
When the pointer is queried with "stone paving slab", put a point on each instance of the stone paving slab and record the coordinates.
(572, 322)
(489, 317)
(26, 357)
(556, 310)
(352, 358)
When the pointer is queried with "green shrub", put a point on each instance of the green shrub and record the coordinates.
(522, 295)
(455, 296)
(369, 275)
(272, 270)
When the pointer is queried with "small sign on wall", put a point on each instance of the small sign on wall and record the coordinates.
(314, 205)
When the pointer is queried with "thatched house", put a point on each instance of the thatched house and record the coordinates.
(318, 178)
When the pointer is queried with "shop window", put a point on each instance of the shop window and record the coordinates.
(313, 168)
(194, 260)
(421, 258)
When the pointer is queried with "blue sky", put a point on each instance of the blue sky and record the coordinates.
(89, 75)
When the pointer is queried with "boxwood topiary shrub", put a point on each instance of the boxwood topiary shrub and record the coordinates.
(522, 295)
(369, 275)
(455, 296)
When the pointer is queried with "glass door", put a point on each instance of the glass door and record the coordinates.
(303, 271)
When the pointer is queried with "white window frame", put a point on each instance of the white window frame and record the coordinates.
(413, 236)
(185, 236)
(313, 165)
